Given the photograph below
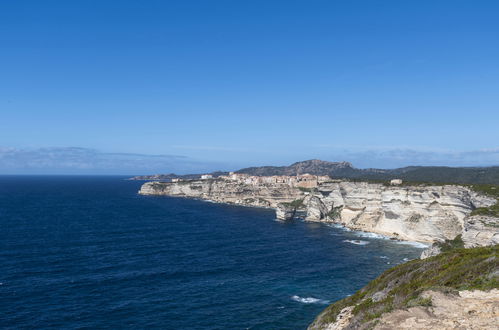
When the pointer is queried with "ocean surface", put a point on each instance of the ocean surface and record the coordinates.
(89, 252)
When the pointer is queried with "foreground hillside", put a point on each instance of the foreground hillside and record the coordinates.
(434, 293)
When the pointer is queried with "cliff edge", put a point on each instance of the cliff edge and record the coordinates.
(426, 213)
(457, 289)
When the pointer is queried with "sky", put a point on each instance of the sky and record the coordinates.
(138, 87)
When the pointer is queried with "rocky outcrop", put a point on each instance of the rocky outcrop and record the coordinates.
(417, 213)
(316, 209)
(423, 294)
(480, 230)
(223, 191)
(432, 251)
(466, 310)
(285, 212)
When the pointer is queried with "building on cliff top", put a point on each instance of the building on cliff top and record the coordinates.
(304, 180)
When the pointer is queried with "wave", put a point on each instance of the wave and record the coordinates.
(356, 241)
(371, 235)
(339, 226)
(310, 300)
(365, 234)
(418, 245)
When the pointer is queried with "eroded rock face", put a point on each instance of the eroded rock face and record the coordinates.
(480, 231)
(226, 192)
(285, 212)
(420, 213)
(417, 213)
(316, 210)
(342, 320)
(432, 251)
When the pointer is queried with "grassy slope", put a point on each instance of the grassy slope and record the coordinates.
(456, 269)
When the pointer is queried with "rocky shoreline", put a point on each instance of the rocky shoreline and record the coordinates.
(430, 213)
(438, 214)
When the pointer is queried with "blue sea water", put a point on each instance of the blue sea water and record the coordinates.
(89, 252)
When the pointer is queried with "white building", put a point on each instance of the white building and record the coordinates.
(396, 182)
(206, 176)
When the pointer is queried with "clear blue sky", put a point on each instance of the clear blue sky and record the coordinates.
(234, 83)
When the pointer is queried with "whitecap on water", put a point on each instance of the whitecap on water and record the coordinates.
(356, 241)
(418, 245)
(310, 300)
(371, 235)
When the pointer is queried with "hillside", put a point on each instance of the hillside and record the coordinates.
(345, 170)
(313, 166)
(413, 292)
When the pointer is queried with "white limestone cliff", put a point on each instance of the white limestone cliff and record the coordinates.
(416, 213)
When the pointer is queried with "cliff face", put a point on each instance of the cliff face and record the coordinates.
(226, 192)
(420, 213)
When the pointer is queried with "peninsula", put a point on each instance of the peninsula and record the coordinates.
(407, 211)
(455, 282)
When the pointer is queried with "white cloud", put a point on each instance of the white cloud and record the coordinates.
(392, 158)
(83, 160)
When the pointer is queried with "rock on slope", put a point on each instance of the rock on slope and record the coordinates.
(466, 310)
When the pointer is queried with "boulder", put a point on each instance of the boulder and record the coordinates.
(285, 212)
(316, 210)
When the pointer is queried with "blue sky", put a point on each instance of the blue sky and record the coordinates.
(227, 84)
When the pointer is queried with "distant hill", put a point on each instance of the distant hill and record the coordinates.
(168, 177)
(345, 170)
(313, 166)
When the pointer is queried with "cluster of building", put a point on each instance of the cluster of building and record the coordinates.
(303, 180)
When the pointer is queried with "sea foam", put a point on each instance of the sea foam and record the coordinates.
(356, 242)
(418, 245)
(310, 300)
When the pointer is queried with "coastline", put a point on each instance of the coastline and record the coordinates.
(442, 216)
(413, 213)
(361, 233)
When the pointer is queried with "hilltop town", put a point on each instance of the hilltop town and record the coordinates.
(346, 171)
(304, 180)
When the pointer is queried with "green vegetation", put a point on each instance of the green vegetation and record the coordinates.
(492, 191)
(456, 243)
(297, 203)
(335, 212)
(305, 189)
(420, 301)
(402, 286)
(456, 175)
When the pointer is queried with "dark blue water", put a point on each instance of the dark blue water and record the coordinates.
(88, 252)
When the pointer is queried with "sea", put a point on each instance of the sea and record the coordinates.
(89, 252)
